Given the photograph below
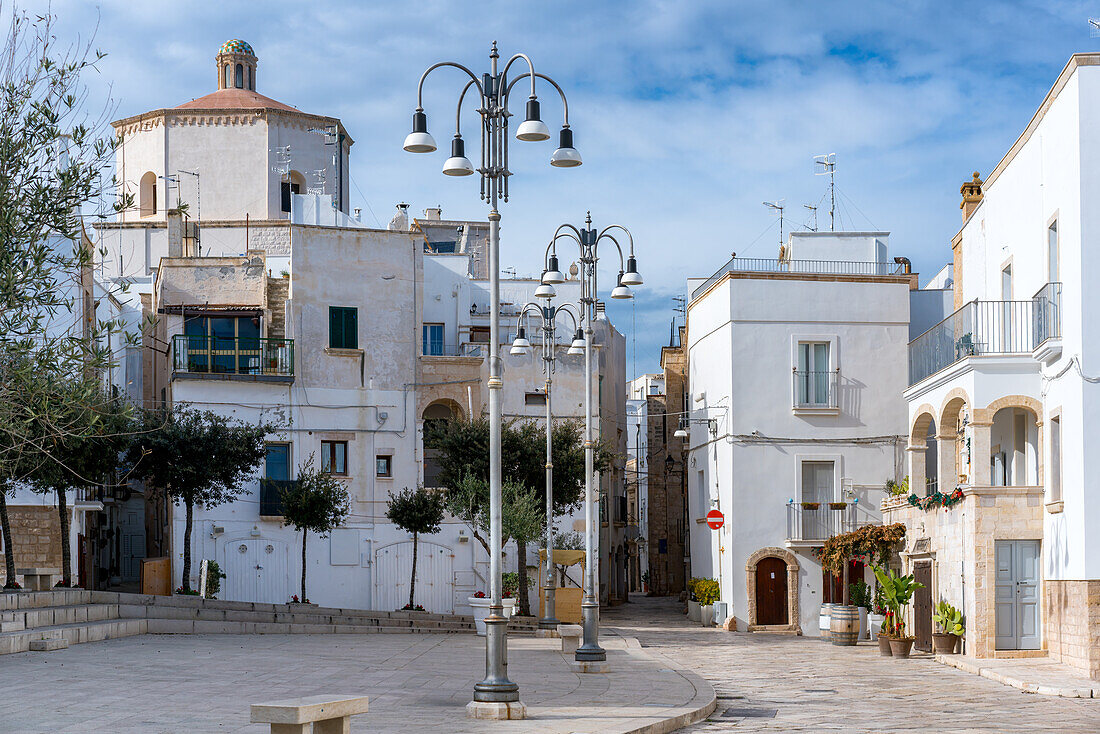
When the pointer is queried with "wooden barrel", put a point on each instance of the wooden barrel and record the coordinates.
(824, 624)
(844, 625)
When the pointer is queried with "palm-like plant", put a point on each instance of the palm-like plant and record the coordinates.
(897, 590)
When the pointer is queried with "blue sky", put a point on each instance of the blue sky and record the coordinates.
(688, 113)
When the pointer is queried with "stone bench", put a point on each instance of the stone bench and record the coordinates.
(570, 637)
(38, 579)
(319, 714)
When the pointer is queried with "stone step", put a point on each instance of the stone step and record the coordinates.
(13, 600)
(214, 614)
(68, 614)
(205, 627)
(73, 634)
(49, 644)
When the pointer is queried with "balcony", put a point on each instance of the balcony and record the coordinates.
(982, 328)
(468, 349)
(271, 500)
(815, 391)
(1048, 322)
(812, 523)
(799, 267)
(215, 357)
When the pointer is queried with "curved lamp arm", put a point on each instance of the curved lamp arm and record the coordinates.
(551, 249)
(458, 109)
(433, 67)
(569, 308)
(624, 229)
(605, 235)
(564, 101)
(532, 74)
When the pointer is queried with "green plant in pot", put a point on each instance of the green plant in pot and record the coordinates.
(707, 591)
(859, 593)
(950, 623)
(897, 591)
(693, 600)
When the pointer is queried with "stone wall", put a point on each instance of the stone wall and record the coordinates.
(36, 533)
(1071, 621)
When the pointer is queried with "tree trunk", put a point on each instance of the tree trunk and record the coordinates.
(9, 551)
(521, 574)
(844, 591)
(481, 539)
(66, 553)
(187, 546)
(303, 597)
(412, 583)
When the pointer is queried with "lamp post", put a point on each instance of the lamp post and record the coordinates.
(590, 657)
(548, 314)
(496, 691)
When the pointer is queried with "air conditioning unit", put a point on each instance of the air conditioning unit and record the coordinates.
(216, 531)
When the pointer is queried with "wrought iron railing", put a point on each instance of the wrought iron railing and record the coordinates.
(271, 496)
(819, 521)
(978, 328)
(468, 349)
(813, 267)
(815, 388)
(232, 355)
(1048, 312)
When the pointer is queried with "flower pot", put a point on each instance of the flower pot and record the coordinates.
(864, 630)
(823, 622)
(874, 624)
(944, 643)
(706, 614)
(901, 646)
(693, 611)
(884, 646)
(480, 606)
(844, 625)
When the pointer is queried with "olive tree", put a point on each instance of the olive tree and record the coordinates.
(418, 511)
(317, 501)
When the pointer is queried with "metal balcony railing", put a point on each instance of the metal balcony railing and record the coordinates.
(819, 521)
(271, 499)
(813, 267)
(468, 349)
(1048, 312)
(232, 355)
(978, 328)
(815, 389)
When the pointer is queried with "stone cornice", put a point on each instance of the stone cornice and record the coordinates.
(171, 117)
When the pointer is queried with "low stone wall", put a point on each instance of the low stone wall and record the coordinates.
(36, 534)
(1071, 621)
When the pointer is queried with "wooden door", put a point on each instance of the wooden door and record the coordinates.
(922, 606)
(771, 591)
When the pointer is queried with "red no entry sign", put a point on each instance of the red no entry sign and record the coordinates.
(715, 519)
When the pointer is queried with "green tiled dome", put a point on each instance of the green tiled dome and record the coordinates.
(236, 46)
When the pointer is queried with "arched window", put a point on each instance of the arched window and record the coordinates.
(228, 78)
(250, 83)
(238, 77)
(147, 196)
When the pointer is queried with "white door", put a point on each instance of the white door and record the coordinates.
(1017, 594)
(256, 570)
(434, 576)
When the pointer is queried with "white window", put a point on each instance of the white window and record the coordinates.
(1052, 252)
(1055, 459)
(813, 376)
(817, 481)
(1006, 283)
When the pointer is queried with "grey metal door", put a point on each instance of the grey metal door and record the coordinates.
(1017, 594)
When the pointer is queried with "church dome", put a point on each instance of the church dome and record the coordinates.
(236, 46)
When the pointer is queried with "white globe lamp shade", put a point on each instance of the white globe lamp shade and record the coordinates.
(680, 433)
(574, 350)
(533, 129)
(545, 291)
(517, 351)
(520, 344)
(631, 277)
(552, 275)
(566, 156)
(419, 141)
(621, 292)
(458, 164)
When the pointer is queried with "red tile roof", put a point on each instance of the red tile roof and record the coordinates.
(235, 99)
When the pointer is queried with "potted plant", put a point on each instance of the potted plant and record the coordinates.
(811, 505)
(950, 621)
(860, 595)
(693, 601)
(480, 602)
(707, 592)
(897, 591)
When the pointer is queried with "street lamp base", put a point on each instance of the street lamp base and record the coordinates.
(496, 711)
(548, 623)
(496, 688)
(591, 667)
(590, 654)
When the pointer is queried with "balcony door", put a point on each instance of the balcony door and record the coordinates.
(813, 373)
(817, 492)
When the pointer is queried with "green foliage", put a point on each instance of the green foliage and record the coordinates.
(898, 490)
(870, 542)
(214, 576)
(521, 510)
(418, 510)
(317, 502)
(948, 619)
(692, 583)
(859, 593)
(707, 591)
(896, 592)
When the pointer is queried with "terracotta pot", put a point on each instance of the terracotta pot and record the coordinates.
(944, 643)
(901, 646)
(884, 646)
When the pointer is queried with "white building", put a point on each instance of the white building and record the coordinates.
(1002, 396)
(794, 422)
(274, 303)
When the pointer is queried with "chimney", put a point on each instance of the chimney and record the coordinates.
(433, 214)
(972, 196)
(175, 233)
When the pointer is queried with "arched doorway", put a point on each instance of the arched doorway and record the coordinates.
(771, 591)
(435, 416)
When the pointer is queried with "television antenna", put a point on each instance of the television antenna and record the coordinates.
(1094, 28)
(825, 165)
(777, 206)
(813, 211)
(282, 161)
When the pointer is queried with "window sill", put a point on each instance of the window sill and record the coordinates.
(338, 352)
(388, 479)
(815, 410)
(1056, 507)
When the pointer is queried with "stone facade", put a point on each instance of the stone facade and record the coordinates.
(1071, 615)
(668, 571)
(36, 533)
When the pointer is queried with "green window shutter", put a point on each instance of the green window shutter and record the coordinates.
(351, 328)
(335, 330)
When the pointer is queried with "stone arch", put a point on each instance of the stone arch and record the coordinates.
(793, 568)
(1035, 408)
(952, 405)
(147, 194)
(1017, 401)
(442, 409)
(925, 417)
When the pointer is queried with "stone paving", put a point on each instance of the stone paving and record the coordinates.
(800, 684)
(416, 683)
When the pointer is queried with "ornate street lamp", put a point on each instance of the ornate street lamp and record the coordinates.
(590, 657)
(493, 94)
